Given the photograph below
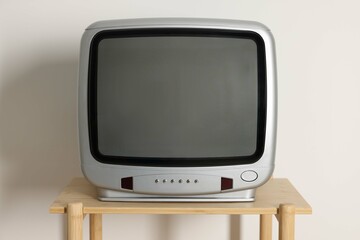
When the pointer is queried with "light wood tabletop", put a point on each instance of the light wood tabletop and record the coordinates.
(268, 199)
(277, 197)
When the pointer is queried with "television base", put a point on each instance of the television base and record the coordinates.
(108, 195)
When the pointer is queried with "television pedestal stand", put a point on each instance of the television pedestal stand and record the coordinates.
(277, 197)
(117, 196)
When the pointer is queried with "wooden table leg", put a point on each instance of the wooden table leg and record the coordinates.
(286, 222)
(95, 226)
(75, 221)
(265, 227)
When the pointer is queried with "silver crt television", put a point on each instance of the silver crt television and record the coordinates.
(177, 109)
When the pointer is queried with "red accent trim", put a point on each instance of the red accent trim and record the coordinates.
(127, 183)
(226, 183)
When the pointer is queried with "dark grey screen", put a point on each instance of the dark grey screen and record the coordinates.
(183, 97)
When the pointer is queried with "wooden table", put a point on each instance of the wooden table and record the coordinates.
(277, 197)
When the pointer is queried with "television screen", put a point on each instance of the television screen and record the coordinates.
(177, 95)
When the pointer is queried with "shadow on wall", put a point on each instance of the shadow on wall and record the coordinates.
(170, 226)
(38, 133)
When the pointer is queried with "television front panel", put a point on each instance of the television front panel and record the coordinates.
(177, 109)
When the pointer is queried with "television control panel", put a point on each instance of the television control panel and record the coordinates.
(183, 184)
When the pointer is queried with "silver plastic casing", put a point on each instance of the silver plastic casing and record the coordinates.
(178, 183)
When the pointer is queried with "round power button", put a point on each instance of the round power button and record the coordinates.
(249, 176)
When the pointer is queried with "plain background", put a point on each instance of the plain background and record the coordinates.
(318, 129)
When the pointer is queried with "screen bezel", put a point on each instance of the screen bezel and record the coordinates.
(176, 162)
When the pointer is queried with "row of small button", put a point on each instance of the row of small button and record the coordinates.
(173, 181)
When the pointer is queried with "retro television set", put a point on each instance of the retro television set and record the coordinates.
(177, 109)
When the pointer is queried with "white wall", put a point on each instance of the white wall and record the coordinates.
(319, 112)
